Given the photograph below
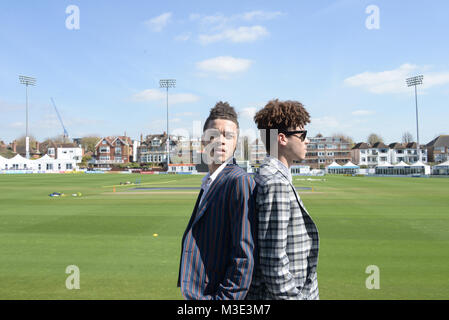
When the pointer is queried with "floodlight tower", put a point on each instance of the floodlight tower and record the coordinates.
(167, 83)
(415, 81)
(27, 81)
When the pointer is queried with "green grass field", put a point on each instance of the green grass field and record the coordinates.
(399, 224)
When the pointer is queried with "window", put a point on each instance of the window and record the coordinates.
(104, 149)
(6, 166)
(117, 143)
(363, 151)
(68, 166)
(118, 150)
(320, 154)
(59, 166)
(104, 142)
(330, 154)
(49, 166)
(156, 142)
(322, 161)
(363, 159)
(51, 151)
(321, 146)
(104, 158)
(39, 166)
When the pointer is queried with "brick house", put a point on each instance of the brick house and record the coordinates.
(112, 151)
(322, 151)
(438, 149)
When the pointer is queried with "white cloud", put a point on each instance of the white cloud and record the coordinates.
(183, 36)
(260, 15)
(435, 79)
(324, 123)
(362, 112)
(224, 66)
(158, 95)
(17, 125)
(160, 22)
(194, 16)
(393, 81)
(238, 35)
(221, 19)
(149, 95)
(248, 113)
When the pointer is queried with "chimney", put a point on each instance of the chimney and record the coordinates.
(14, 146)
(141, 138)
(37, 146)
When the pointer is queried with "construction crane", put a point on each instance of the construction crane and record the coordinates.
(66, 134)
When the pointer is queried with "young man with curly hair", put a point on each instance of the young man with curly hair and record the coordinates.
(217, 258)
(287, 236)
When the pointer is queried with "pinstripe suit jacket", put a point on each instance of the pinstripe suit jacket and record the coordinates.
(287, 240)
(217, 259)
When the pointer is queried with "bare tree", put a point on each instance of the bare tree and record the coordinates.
(407, 137)
(343, 137)
(58, 139)
(89, 142)
(373, 138)
(21, 142)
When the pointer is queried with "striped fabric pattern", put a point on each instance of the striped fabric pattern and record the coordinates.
(287, 240)
(217, 259)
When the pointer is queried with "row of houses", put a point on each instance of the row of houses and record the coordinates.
(185, 152)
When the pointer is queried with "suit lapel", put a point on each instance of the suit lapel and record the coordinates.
(219, 180)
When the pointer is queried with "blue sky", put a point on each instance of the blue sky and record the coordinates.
(104, 76)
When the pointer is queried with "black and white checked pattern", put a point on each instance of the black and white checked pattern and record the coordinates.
(287, 240)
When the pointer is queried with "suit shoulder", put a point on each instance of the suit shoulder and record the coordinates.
(269, 178)
(239, 175)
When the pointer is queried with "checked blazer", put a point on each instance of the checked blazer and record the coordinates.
(218, 245)
(287, 239)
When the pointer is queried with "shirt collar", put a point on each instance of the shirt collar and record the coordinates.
(280, 166)
(209, 178)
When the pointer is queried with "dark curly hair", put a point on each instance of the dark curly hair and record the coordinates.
(222, 110)
(281, 115)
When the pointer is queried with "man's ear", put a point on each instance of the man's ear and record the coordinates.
(282, 139)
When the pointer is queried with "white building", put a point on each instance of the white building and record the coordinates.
(299, 170)
(68, 154)
(406, 152)
(371, 156)
(45, 164)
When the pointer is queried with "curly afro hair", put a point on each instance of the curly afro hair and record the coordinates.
(282, 115)
(222, 110)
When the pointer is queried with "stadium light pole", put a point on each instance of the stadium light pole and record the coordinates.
(415, 81)
(167, 83)
(27, 81)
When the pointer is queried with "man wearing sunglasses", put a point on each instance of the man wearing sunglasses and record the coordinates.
(287, 236)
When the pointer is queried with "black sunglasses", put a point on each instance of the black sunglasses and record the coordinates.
(302, 137)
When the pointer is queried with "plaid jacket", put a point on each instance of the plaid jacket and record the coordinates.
(287, 240)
